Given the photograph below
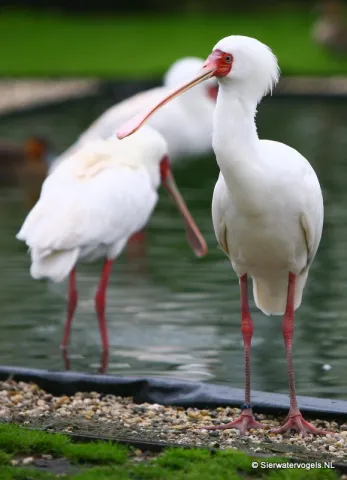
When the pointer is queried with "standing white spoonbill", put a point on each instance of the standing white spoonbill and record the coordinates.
(91, 204)
(186, 124)
(267, 204)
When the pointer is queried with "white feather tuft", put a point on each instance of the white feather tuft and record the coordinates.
(55, 266)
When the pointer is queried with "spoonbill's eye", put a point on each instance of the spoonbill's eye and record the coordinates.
(228, 58)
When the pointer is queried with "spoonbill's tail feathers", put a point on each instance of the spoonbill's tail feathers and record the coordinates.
(48, 261)
(55, 265)
(270, 295)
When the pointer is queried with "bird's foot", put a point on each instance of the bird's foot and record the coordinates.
(244, 422)
(296, 422)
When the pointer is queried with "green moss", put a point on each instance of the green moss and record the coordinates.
(98, 452)
(15, 473)
(18, 440)
(14, 439)
(4, 458)
(123, 46)
(299, 474)
(201, 464)
(115, 462)
(103, 473)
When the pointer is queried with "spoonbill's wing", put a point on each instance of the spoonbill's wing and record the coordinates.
(88, 212)
(219, 206)
(313, 215)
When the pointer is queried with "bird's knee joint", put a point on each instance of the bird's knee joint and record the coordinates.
(247, 328)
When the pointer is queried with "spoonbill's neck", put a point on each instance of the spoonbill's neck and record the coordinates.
(235, 138)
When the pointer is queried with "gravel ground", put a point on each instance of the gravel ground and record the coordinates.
(120, 418)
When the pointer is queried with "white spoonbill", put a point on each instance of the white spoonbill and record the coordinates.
(91, 204)
(186, 124)
(267, 205)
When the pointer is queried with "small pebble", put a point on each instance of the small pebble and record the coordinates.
(215, 445)
(213, 433)
(16, 399)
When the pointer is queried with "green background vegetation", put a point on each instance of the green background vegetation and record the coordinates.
(126, 46)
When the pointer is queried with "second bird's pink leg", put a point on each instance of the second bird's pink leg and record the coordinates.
(294, 419)
(137, 245)
(246, 420)
(100, 306)
(71, 307)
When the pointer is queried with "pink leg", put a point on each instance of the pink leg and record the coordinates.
(100, 303)
(104, 361)
(294, 420)
(137, 245)
(66, 358)
(246, 420)
(71, 307)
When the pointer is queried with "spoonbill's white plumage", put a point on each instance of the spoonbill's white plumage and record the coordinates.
(267, 205)
(186, 124)
(91, 204)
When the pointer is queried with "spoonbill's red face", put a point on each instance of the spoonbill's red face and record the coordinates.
(219, 63)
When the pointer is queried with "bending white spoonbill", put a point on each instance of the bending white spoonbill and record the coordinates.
(186, 124)
(267, 205)
(89, 207)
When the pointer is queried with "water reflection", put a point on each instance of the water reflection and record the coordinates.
(177, 315)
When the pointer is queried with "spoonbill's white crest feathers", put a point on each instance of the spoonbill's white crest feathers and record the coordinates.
(89, 207)
(186, 124)
(255, 69)
(267, 205)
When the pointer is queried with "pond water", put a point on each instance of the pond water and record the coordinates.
(172, 314)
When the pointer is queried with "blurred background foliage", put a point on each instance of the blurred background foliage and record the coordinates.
(142, 37)
(155, 6)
